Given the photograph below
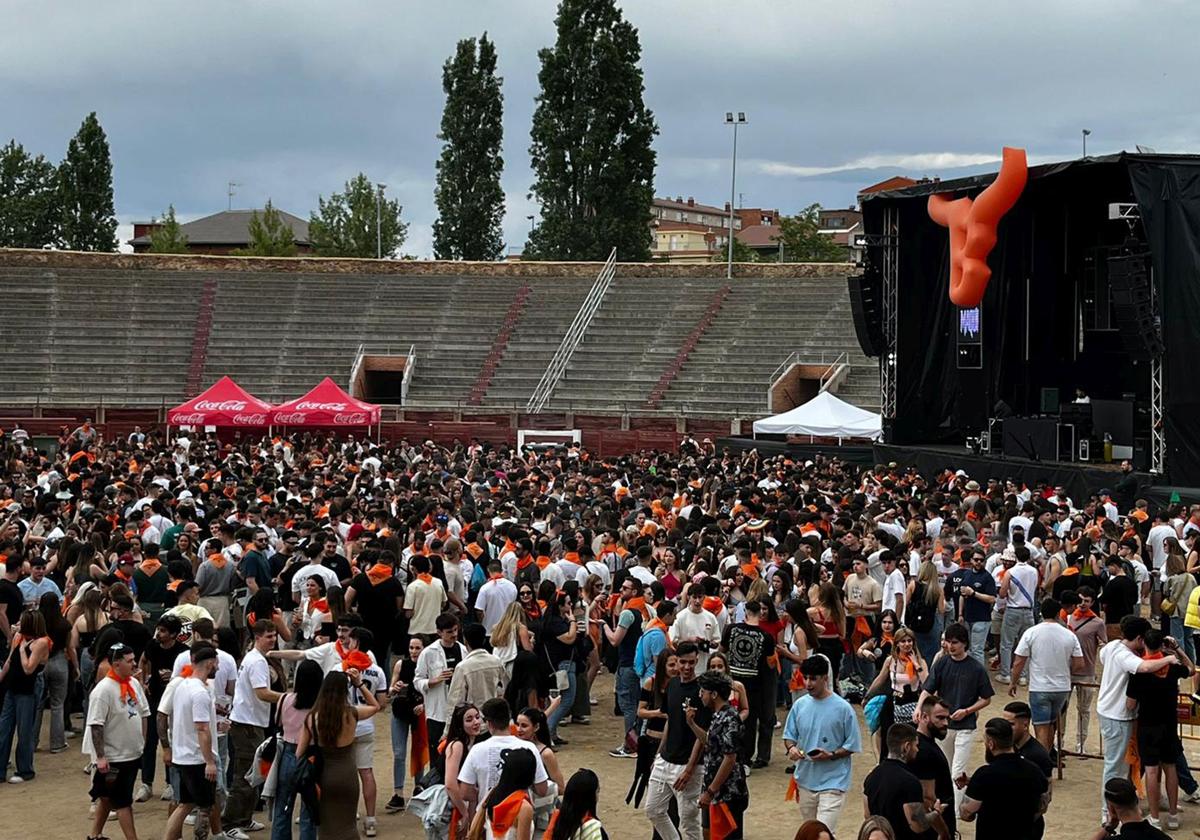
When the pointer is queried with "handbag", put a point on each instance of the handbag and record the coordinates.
(1167, 607)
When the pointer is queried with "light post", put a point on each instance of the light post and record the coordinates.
(1085, 133)
(530, 219)
(379, 220)
(734, 120)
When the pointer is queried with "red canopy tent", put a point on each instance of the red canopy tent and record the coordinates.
(326, 405)
(225, 403)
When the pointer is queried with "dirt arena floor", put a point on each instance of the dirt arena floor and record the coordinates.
(55, 804)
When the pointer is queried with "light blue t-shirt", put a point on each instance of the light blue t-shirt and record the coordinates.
(828, 725)
(33, 592)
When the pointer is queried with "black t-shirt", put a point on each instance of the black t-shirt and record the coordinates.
(376, 603)
(12, 601)
(1142, 830)
(680, 738)
(960, 683)
(283, 595)
(652, 724)
(453, 655)
(340, 566)
(1120, 598)
(136, 635)
(749, 648)
(888, 788)
(1156, 695)
(1033, 752)
(553, 627)
(161, 659)
(1009, 789)
(931, 765)
(1066, 583)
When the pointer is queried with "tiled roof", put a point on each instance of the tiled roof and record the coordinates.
(230, 227)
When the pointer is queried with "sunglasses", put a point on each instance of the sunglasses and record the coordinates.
(526, 594)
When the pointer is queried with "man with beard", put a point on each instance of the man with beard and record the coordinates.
(930, 765)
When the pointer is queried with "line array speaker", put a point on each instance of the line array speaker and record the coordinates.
(866, 306)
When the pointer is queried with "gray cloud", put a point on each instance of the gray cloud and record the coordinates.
(291, 99)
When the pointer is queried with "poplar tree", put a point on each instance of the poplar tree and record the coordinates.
(89, 222)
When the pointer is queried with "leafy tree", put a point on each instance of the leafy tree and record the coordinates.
(592, 156)
(168, 238)
(89, 221)
(469, 197)
(29, 211)
(270, 235)
(803, 241)
(344, 226)
(742, 253)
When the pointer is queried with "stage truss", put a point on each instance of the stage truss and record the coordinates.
(890, 240)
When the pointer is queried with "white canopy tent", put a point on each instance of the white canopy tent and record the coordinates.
(823, 416)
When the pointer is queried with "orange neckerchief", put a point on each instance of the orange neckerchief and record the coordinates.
(639, 604)
(173, 585)
(319, 605)
(1070, 570)
(1081, 615)
(572, 557)
(150, 566)
(185, 672)
(509, 545)
(426, 578)
(524, 562)
(378, 573)
(1161, 672)
(219, 560)
(658, 623)
(474, 549)
(495, 575)
(713, 604)
(750, 570)
(888, 638)
(542, 562)
(504, 813)
(127, 692)
(356, 659)
(910, 666)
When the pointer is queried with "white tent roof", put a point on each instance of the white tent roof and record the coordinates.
(823, 416)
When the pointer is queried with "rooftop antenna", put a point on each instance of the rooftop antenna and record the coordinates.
(229, 193)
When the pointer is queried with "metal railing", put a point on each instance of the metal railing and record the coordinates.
(409, 363)
(356, 366)
(834, 370)
(570, 341)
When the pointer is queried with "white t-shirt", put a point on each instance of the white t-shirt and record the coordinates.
(644, 575)
(192, 704)
(701, 625)
(485, 761)
(426, 600)
(594, 567)
(554, 573)
(328, 658)
(1024, 521)
(1119, 662)
(305, 572)
(120, 717)
(1028, 578)
(247, 708)
(493, 599)
(373, 681)
(1049, 647)
(894, 585)
(219, 682)
(1141, 575)
(1156, 539)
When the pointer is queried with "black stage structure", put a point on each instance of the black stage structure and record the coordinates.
(1095, 285)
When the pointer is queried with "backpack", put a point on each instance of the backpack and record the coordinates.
(919, 614)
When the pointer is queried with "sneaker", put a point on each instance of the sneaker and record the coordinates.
(88, 768)
(143, 794)
(582, 720)
(1172, 822)
(1002, 678)
(16, 779)
(1024, 681)
(395, 804)
(253, 825)
(759, 764)
(369, 827)
(1193, 797)
(1156, 823)
(168, 794)
(560, 742)
(57, 750)
(232, 834)
(190, 819)
(790, 769)
(592, 701)
(621, 752)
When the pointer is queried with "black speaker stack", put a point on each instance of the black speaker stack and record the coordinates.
(866, 306)
(1129, 283)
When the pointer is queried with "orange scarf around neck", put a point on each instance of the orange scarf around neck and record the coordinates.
(495, 575)
(320, 605)
(572, 557)
(543, 561)
(356, 659)
(657, 623)
(150, 565)
(1161, 672)
(504, 813)
(219, 560)
(524, 562)
(426, 578)
(127, 691)
(378, 573)
(639, 605)
(713, 604)
(1081, 615)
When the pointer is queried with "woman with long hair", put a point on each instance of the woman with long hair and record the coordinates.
(512, 644)
(293, 710)
(576, 819)
(61, 668)
(314, 609)
(672, 577)
(507, 813)
(532, 727)
(718, 661)
(92, 619)
(465, 725)
(928, 586)
(879, 646)
(829, 617)
(408, 720)
(595, 610)
(653, 716)
(330, 725)
(875, 828)
(21, 679)
(814, 830)
(1179, 591)
(800, 641)
(185, 544)
(901, 675)
(261, 607)
(758, 590)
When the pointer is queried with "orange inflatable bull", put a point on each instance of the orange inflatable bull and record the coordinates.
(972, 224)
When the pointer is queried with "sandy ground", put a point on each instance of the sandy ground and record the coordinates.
(55, 804)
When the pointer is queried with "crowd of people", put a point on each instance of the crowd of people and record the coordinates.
(246, 614)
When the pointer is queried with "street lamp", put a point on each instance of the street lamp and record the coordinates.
(734, 120)
(530, 218)
(379, 220)
(1085, 133)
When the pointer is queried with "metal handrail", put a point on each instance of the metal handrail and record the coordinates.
(832, 371)
(574, 335)
(409, 361)
(356, 366)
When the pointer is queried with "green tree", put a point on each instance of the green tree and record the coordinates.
(469, 197)
(344, 226)
(89, 222)
(168, 237)
(592, 157)
(270, 235)
(742, 253)
(29, 211)
(803, 241)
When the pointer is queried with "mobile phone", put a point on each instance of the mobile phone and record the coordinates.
(554, 692)
(811, 753)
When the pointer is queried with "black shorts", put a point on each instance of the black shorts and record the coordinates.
(117, 785)
(194, 789)
(1158, 743)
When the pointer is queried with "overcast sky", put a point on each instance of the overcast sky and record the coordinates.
(290, 99)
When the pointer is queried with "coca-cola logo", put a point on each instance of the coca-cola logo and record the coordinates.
(250, 420)
(357, 418)
(223, 405)
(187, 419)
(293, 417)
(320, 406)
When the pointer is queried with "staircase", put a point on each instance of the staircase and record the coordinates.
(689, 344)
(200, 335)
(499, 345)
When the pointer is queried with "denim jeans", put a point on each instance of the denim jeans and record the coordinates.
(1015, 622)
(1116, 734)
(57, 681)
(285, 800)
(979, 633)
(17, 718)
(1187, 783)
(930, 643)
(399, 752)
(628, 691)
(568, 697)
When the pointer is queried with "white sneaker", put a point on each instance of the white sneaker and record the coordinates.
(1156, 823)
(190, 819)
(233, 834)
(168, 794)
(1193, 797)
(1000, 678)
(143, 794)
(369, 827)
(1172, 822)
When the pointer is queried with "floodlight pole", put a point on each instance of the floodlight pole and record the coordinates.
(735, 120)
(378, 221)
(1085, 132)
